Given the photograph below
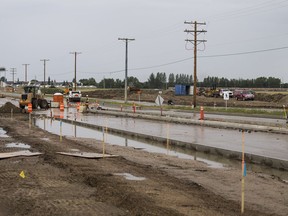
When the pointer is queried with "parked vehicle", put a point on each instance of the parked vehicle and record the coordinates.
(74, 96)
(221, 93)
(244, 95)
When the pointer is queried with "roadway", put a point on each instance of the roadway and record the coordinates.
(270, 145)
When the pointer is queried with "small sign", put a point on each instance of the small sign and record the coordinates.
(22, 174)
(226, 96)
(159, 100)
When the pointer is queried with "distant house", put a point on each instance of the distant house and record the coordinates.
(2, 84)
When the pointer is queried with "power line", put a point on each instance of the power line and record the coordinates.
(212, 56)
(251, 10)
(245, 53)
(189, 58)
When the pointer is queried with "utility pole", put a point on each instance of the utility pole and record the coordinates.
(26, 65)
(126, 64)
(44, 60)
(13, 72)
(3, 69)
(195, 42)
(75, 62)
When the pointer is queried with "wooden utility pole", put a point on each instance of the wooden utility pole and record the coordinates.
(75, 68)
(26, 65)
(44, 60)
(126, 65)
(3, 69)
(195, 42)
(13, 72)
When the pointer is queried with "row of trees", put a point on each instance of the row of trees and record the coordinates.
(260, 82)
(160, 81)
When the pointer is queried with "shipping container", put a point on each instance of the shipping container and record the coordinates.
(183, 89)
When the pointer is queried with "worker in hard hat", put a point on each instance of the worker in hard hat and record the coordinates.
(87, 102)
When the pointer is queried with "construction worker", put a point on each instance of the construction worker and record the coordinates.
(87, 102)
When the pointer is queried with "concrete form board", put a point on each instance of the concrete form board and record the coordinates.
(86, 155)
(18, 153)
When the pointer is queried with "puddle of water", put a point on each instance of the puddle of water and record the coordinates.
(131, 177)
(3, 133)
(18, 145)
(54, 126)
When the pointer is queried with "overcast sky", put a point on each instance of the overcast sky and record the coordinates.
(245, 38)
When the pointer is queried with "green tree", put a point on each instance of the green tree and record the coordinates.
(133, 81)
(151, 81)
(171, 80)
(88, 82)
(49, 81)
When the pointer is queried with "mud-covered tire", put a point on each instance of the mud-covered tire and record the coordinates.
(34, 103)
(43, 104)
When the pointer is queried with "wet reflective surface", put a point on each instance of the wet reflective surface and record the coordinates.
(258, 143)
(3, 133)
(54, 126)
(213, 161)
(18, 145)
(131, 177)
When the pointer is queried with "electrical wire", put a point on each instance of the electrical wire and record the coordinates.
(186, 59)
(252, 10)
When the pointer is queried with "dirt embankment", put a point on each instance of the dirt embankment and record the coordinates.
(265, 100)
(8, 107)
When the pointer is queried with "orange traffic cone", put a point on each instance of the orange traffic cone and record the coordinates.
(61, 107)
(201, 113)
(134, 108)
(30, 107)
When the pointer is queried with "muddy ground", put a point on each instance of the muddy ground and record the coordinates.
(55, 184)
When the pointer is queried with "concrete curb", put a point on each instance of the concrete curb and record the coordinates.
(208, 123)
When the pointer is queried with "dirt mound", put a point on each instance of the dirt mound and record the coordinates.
(284, 100)
(7, 107)
(269, 97)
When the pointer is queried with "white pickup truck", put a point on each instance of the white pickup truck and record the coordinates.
(74, 96)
